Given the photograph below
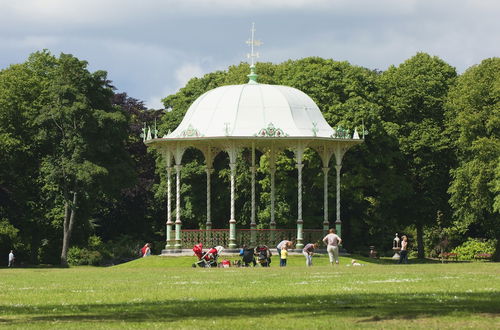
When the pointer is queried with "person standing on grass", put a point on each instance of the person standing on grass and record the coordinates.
(11, 258)
(283, 243)
(283, 255)
(308, 252)
(332, 242)
(147, 250)
(403, 254)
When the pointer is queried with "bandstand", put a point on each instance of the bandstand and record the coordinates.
(268, 118)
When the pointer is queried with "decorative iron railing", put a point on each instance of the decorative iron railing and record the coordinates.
(269, 237)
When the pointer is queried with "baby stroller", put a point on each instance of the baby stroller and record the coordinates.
(248, 256)
(264, 255)
(207, 259)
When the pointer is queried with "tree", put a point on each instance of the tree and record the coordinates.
(474, 120)
(413, 99)
(87, 135)
(135, 212)
(21, 87)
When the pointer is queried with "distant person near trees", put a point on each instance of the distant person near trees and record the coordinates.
(332, 242)
(146, 250)
(308, 252)
(403, 254)
(11, 258)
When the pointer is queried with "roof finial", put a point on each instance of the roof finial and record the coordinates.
(253, 43)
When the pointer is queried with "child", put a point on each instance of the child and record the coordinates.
(284, 254)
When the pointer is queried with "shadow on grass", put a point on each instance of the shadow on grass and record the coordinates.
(28, 266)
(364, 307)
(390, 261)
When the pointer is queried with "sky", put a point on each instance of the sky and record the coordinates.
(151, 48)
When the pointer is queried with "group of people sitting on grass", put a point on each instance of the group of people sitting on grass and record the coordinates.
(261, 255)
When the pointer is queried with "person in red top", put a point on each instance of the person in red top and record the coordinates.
(146, 250)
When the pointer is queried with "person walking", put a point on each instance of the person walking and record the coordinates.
(332, 242)
(11, 258)
(403, 254)
(283, 256)
(308, 252)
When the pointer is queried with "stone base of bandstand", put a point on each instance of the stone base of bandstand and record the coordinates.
(235, 252)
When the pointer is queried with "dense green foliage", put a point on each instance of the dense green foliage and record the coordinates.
(474, 105)
(414, 95)
(162, 293)
(473, 248)
(73, 164)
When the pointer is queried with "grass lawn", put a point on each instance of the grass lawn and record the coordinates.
(165, 292)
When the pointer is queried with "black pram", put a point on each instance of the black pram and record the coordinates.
(264, 255)
(248, 257)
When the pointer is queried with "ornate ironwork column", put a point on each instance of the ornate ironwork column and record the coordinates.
(170, 244)
(299, 154)
(253, 224)
(179, 151)
(300, 222)
(339, 152)
(272, 172)
(326, 223)
(209, 172)
(338, 223)
(178, 222)
(232, 151)
(232, 221)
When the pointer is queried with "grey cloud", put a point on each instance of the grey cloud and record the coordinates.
(142, 44)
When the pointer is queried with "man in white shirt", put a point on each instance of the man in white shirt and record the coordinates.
(11, 258)
(332, 241)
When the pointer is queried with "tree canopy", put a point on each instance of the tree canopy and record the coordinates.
(74, 170)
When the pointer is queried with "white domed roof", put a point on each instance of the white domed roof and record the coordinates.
(253, 110)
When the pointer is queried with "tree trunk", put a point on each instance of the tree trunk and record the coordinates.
(69, 220)
(35, 244)
(420, 240)
(496, 255)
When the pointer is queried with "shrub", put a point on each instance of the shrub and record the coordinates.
(81, 256)
(474, 246)
(123, 248)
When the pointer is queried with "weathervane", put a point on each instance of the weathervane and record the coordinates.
(253, 43)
